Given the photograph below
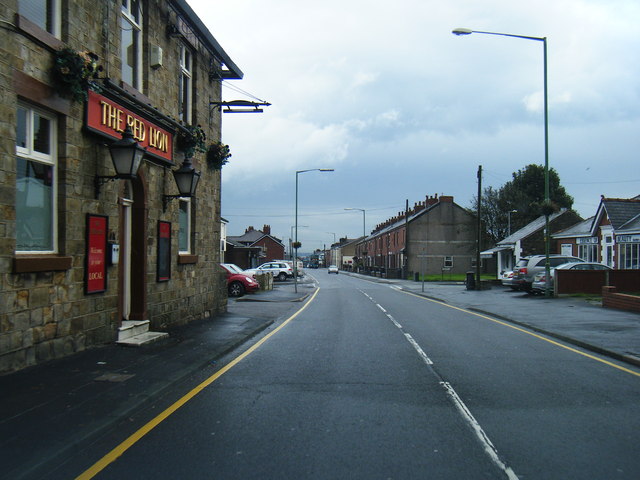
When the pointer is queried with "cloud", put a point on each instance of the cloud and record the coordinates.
(400, 107)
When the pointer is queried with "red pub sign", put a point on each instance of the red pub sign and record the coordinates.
(106, 117)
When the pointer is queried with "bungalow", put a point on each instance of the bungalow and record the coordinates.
(611, 236)
(529, 240)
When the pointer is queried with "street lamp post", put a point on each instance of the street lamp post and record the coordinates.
(291, 240)
(333, 262)
(509, 221)
(364, 220)
(547, 238)
(295, 258)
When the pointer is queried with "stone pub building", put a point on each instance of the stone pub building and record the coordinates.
(109, 194)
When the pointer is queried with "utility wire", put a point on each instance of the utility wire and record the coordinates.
(240, 90)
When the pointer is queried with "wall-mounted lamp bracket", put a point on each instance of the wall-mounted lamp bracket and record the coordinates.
(100, 180)
(168, 198)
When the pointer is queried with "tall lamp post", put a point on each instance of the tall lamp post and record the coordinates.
(547, 238)
(291, 240)
(333, 262)
(296, 244)
(509, 221)
(364, 220)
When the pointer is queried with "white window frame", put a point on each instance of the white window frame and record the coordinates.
(588, 252)
(628, 256)
(186, 77)
(52, 10)
(129, 18)
(447, 261)
(181, 202)
(28, 153)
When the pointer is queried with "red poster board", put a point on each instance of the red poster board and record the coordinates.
(95, 280)
(164, 251)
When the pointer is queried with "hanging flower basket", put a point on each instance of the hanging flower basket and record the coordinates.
(74, 73)
(296, 245)
(548, 208)
(218, 155)
(192, 140)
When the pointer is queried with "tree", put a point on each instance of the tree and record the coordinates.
(523, 193)
(492, 217)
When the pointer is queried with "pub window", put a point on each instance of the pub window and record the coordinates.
(186, 87)
(184, 226)
(130, 42)
(36, 214)
(44, 13)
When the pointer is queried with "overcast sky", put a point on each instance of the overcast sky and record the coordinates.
(384, 93)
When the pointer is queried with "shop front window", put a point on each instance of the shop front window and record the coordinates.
(588, 253)
(35, 181)
(629, 255)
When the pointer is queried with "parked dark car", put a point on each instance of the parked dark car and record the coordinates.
(528, 267)
(238, 282)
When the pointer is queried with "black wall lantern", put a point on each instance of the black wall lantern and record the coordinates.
(186, 178)
(126, 155)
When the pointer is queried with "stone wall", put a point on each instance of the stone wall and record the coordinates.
(45, 313)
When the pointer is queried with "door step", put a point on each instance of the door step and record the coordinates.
(135, 333)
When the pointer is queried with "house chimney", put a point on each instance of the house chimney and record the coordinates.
(446, 198)
(249, 229)
(266, 229)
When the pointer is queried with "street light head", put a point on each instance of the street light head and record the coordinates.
(326, 169)
(462, 31)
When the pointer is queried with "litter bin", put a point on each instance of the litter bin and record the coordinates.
(471, 281)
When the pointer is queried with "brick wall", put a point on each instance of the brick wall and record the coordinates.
(620, 301)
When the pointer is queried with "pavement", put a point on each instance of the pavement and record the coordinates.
(48, 411)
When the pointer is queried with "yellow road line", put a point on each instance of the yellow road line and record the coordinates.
(592, 357)
(129, 442)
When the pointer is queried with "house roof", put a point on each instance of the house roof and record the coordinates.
(346, 241)
(621, 212)
(251, 238)
(530, 228)
(580, 229)
(232, 71)
(632, 225)
(402, 221)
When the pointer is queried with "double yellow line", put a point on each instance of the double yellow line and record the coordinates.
(129, 442)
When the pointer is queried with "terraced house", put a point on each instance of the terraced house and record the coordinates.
(110, 173)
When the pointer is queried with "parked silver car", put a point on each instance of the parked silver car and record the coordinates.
(279, 270)
(539, 281)
(528, 267)
(507, 279)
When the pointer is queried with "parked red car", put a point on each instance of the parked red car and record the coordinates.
(238, 283)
